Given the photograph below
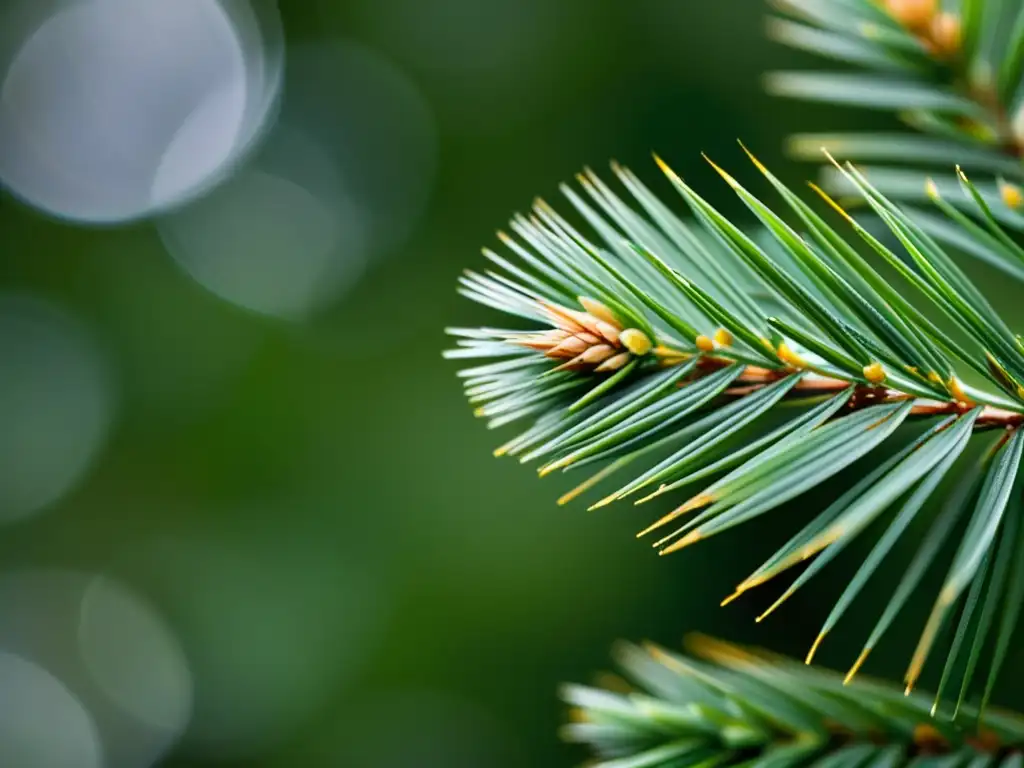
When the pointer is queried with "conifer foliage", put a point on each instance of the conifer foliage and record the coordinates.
(726, 705)
(729, 370)
(751, 368)
(952, 72)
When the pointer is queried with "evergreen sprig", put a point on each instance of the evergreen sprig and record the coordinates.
(952, 71)
(756, 367)
(732, 706)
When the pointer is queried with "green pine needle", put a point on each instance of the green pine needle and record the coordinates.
(953, 73)
(729, 706)
(732, 371)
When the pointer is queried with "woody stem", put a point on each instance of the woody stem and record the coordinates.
(755, 377)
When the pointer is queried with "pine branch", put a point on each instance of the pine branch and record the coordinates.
(731, 706)
(767, 364)
(954, 75)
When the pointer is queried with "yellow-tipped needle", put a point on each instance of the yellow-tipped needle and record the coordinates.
(834, 205)
(757, 163)
(691, 538)
(728, 179)
(589, 483)
(814, 648)
(661, 489)
(731, 597)
(603, 502)
(696, 502)
(547, 469)
(856, 666)
(774, 606)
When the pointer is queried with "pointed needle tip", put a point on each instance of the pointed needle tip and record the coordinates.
(731, 598)
(565, 498)
(856, 666)
(721, 171)
(814, 648)
(547, 469)
(664, 166)
(690, 538)
(652, 527)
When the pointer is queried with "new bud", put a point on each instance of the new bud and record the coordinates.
(913, 14)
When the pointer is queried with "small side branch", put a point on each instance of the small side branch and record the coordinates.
(755, 378)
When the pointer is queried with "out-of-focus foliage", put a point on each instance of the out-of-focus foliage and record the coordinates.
(953, 72)
(733, 706)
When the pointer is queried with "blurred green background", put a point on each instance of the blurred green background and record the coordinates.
(301, 537)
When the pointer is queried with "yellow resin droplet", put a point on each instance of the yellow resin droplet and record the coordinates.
(874, 373)
(723, 338)
(636, 341)
(957, 390)
(790, 357)
(1013, 196)
(704, 344)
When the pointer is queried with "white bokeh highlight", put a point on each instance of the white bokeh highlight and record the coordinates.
(281, 237)
(134, 658)
(56, 405)
(43, 724)
(376, 123)
(111, 110)
(340, 181)
(111, 649)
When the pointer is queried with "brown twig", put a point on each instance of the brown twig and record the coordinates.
(754, 378)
